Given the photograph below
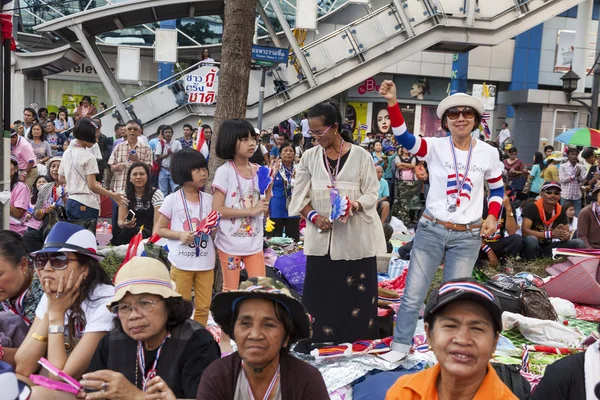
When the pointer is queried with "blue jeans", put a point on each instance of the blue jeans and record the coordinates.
(576, 203)
(165, 183)
(77, 210)
(433, 244)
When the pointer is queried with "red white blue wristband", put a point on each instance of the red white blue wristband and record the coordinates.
(312, 216)
(548, 234)
(486, 248)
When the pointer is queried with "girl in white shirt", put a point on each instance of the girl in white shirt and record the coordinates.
(237, 198)
(193, 256)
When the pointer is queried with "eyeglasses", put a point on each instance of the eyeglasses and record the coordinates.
(142, 306)
(553, 192)
(58, 261)
(454, 113)
(131, 128)
(313, 133)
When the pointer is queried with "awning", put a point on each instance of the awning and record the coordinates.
(47, 62)
(127, 14)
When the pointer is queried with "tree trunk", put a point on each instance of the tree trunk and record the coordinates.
(236, 56)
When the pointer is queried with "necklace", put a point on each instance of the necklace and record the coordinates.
(141, 361)
(198, 242)
(269, 389)
(333, 192)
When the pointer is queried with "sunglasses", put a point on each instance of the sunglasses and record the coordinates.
(58, 261)
(553, 192)
(467, 112)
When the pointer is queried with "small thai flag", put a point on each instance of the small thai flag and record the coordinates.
(201, 144)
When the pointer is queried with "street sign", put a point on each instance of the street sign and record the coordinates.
(265, 63)
(275, 55)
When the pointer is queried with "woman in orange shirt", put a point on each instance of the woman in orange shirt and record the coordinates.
(463, 321)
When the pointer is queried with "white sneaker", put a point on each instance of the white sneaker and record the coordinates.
(394, 356)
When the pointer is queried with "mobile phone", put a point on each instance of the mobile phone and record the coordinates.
(130, 216)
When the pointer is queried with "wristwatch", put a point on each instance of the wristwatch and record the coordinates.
(56, 329)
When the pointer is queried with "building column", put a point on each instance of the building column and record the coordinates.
(460, 72)
(582, 42)
(166, 70)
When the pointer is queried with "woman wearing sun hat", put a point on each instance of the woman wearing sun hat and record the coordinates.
(264, 319)
(71, 317)
(451, 228)
(155, 347)
(550, 173)
(463, 321)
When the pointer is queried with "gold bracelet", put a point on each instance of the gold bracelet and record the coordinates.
(39, 338)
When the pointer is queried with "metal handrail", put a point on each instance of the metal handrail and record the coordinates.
(172, 77)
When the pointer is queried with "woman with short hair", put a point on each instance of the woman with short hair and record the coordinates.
(264, 319)
(155, 350)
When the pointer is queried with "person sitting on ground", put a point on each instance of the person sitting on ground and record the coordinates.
(56, 140)
(588, 224)
(23, 151)
(71, 316)
(144, 201)
(20, 289)
(383, 195)
(500, 245)
(265, 320)
(571, 219)
(550, 173)
(463, 321)
(49, 196)
(545, 225)
(86, 109)
(388, 231)
(155, 349)
(573, 377)
(19, 199)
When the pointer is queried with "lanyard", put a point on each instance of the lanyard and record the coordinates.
(269, 389)
(337, 166)
(188, 216)
(142, 361)
(459, 183)
(18, 308)
(240, 192)
(287, 177)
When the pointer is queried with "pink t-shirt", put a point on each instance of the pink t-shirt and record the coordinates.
(19, 198)
(24, 153)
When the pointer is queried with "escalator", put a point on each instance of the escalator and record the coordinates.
(359, 51)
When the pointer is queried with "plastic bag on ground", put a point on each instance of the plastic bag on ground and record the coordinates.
(564, 308)
(539, 331)
(398, 226)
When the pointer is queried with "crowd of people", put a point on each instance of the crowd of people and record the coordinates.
(469, 200)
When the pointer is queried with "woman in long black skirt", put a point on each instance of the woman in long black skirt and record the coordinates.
(340, 289)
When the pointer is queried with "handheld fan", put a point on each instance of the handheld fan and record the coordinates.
(270, 225)
(264, 179)
(340, 207)
(208, 224)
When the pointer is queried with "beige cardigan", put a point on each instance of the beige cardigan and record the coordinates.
(362, 236)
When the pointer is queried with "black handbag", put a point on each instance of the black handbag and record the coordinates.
(59, 214)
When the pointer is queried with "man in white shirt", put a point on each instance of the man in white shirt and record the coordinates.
(293, 126)
(305, 130)
(504, 136)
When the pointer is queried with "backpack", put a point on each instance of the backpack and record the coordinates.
(536, 304)
(508, 293)
(510, 375)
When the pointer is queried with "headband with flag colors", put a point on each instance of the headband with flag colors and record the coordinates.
(467, 287)
(418, 147)
(201, 144)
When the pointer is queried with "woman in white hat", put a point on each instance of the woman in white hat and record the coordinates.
(451, 228)
(70, 318)
(155, 348)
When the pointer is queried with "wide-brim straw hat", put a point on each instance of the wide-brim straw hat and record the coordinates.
(143, 275)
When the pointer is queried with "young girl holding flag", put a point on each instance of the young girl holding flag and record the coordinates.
(182, 213)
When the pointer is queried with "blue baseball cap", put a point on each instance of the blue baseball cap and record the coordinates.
(65, 237)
